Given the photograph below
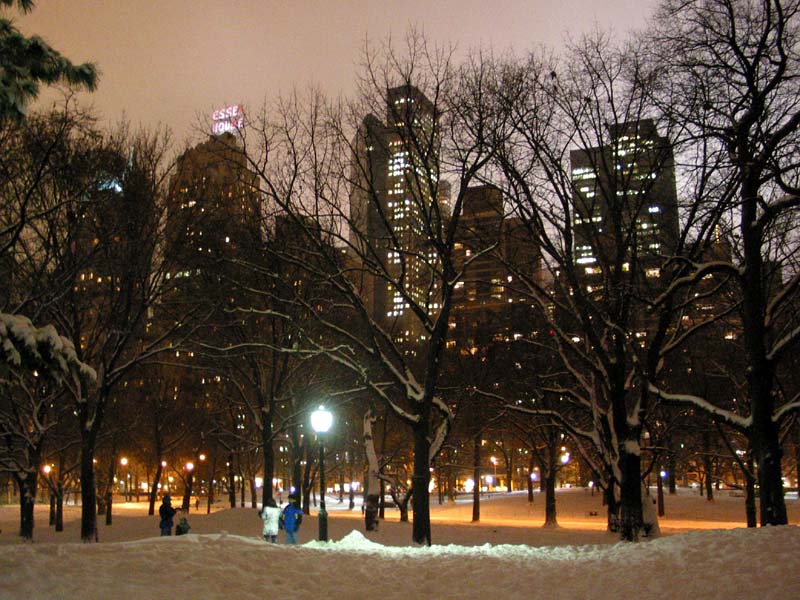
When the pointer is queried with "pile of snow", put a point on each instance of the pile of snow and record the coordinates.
(740, 563)
(703, 553)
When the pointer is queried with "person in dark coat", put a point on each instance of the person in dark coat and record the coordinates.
(166, 512)
(291, 517)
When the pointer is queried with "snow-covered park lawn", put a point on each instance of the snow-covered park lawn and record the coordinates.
(703, 553)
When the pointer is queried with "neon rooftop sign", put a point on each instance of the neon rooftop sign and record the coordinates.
(229, 118)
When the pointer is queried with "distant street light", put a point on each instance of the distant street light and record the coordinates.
(124, 462)
(494, 464)
(321, 421)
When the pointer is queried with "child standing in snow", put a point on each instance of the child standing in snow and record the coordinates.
(271, 516)
(292, 516)
(182, 527)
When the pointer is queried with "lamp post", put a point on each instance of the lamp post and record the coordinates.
(494, 464)
(321, 421)
(187, 492)
(126, 488)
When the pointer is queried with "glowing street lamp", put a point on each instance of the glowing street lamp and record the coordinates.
(124, 462)
(494, 464)
(321, 421)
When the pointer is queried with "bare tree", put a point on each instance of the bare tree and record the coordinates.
(730, 73)
(321, 168)
(588, 167)
(104, 273)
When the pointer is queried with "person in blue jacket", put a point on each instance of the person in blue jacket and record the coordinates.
(291, 517)
(166, 512)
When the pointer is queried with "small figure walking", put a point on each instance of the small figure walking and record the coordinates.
(182, 527)
(271, 515)
(292, 517)
(166, 512)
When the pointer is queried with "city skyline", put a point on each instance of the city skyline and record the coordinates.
(570, 317)
(174, 64)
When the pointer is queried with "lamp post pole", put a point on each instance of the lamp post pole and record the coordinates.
(321, 421)
(126, 487)
(323, 514)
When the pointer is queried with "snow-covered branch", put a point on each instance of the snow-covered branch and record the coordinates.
(24, 345)
(728, 417)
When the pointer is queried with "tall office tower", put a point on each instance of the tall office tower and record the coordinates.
(479, 243)
(213, 232)
(625, 206)
(490, 303)
(213, 215)
(395, 195)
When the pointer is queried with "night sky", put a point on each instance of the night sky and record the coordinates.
(173, 61)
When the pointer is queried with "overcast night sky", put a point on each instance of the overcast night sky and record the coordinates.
(171, 61)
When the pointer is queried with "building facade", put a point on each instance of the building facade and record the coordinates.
(394, 199)
(625, 205)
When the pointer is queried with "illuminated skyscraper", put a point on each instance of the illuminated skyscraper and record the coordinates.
(213, 237)
(213, 216)
(491, 303)
(625, 205)
(394, 198)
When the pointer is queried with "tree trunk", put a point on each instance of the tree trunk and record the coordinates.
(476, 477)
(351, 503)
(88, 493)
(530, 479)
(211, 484)
(231, 481)
(768, 454)
(268, 453)
(59, 506)
(549, 476)
(750, 493)
(27, 497)
(52, 519)
(373, 488)
(764, 433)
(402, 505)
(797, 456)
(612, 506)
(708, 467)
(421, 528)
(382, 501)
(187, 492)
(110, 485)
(671, 465)
(631, 523)
(550, 516)
(151, 509)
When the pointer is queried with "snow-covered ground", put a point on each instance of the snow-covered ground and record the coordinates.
(703, 553)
